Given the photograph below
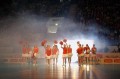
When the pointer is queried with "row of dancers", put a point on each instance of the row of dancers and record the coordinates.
(52, 53)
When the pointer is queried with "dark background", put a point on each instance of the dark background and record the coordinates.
(25, 20)
(104, 12)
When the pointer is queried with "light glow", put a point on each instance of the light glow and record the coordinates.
(56, 24)
(86, 67)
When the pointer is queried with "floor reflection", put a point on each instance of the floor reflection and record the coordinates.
(43, 71)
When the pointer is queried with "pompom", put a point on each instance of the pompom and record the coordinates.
(55, 42)
(65, 40)
(43, 42)
(61, 43)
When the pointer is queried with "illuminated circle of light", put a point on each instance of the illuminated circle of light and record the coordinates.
(53, 24)
(56, 24)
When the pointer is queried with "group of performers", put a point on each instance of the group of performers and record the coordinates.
(29, 53)
(52, 53)
(84, 54)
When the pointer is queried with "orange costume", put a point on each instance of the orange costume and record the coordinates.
(93, 51)
(87, 51)
(69, 51)
(55, 52)
(65, 51)
(24, 52)
(80, 51)
(35, 52)
(48, 52)
(29, 52)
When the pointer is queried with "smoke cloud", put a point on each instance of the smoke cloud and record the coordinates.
(34, 29)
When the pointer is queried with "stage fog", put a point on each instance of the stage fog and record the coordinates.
(33, 29)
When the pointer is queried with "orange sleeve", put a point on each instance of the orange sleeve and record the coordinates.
(77, 50)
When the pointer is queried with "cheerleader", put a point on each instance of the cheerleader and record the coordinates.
(64, 56)
(48, 53)
(69, 54)
(55, 52)
(35, 53)
(87, 53)
(24, 53)
(93, 55)
(29, 54)
(80, 54)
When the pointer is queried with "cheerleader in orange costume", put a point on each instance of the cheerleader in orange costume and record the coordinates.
(24, 50)
(24, 53)
(55, 52)
(65, 53)
(69, 54)
(29, 54)
(35, 53)
(93, 55)
(87, 53)
(80, 52)
(48, 53)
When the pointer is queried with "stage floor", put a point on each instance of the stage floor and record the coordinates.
(43, 71)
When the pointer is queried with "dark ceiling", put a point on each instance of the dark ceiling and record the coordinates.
(104, 12)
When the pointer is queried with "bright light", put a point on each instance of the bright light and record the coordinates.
(56, 24)
(53, 24)
(74, 46)
(86, 67)
(52, 29)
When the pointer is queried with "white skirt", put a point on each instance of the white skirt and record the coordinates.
(88, 51)
(70, 55)
(35, 54)
(54, 56)
(93, 55)
(80, 55)
(65, 55)
(48, 57)
(87, 55)
(25, 55)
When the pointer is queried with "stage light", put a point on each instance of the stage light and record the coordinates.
(52, 29)
(53, 24)
(56, 24)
